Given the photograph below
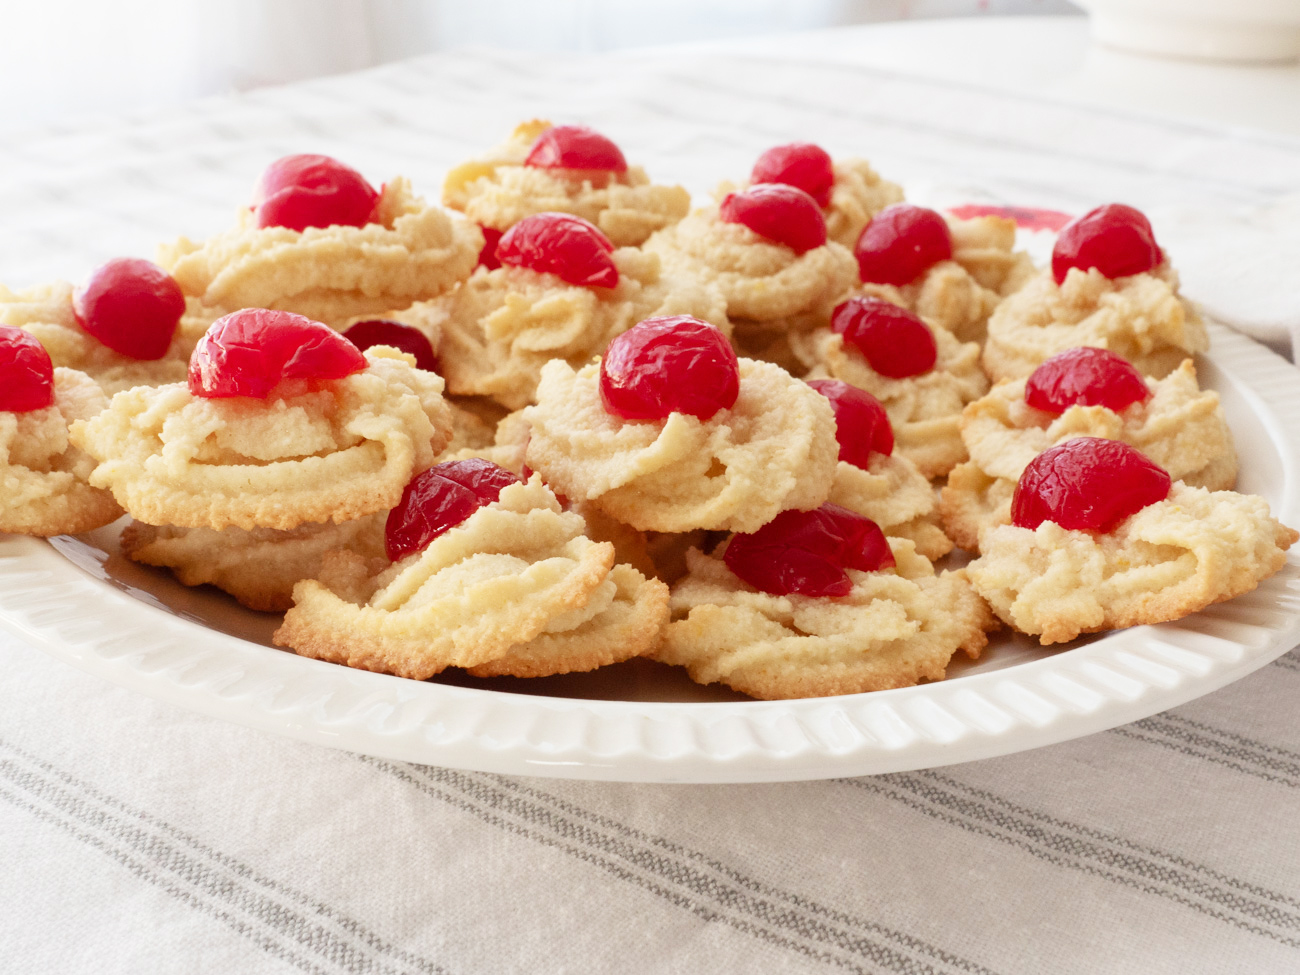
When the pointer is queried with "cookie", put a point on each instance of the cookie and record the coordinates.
(893, 493)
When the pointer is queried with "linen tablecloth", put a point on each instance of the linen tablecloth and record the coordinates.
(141, 838)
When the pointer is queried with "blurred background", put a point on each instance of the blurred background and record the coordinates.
(66, 59)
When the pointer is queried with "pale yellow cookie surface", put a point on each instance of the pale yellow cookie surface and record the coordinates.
(893, 493)
(1141, 318)
(857, 195)
(259, 566)
(501, 326)
(1170, 559)
(411, 252)
(515, 589)
(774, 449)
(43, 477)
(925, 410)
(497, 190)
(765, 284)
(336, 452)
(1181, 427)
(895, 628)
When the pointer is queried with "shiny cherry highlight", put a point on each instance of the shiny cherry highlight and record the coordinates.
(895, 343)
(1115, 239)
(439, 499)
(560, 244)
(901, 243)
(575, 147)
(26, 372)
(304, 191)
(781, 213)
(132, 306)
(1085, 377)
(1087, 484)
(668, 365)
(861, 424)
(801, 164)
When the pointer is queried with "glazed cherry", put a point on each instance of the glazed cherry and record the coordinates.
(894, 342)
(304, 191)
(26, 372)
(1115, 239)
(800, 164)
(861, 424)
(131, 305)
(440, 499)
(1085, 377)
(487, 257)
(575, 147)
(669, 365)
(248, 352)
(784, 214)
(560, 244)
(1087, 484)
(806, 552)
(901, 243)
(404, 338)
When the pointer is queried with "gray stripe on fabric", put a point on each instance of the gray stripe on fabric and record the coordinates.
(1224, 748)
(674, 874)
(1243, 905)
(78, 808)
(1290, 661)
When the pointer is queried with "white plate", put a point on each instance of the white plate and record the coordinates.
(82, 602)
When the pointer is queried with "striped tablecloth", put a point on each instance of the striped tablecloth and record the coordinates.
(141, 838)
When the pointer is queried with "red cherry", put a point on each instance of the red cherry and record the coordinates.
(1115, 239)
(806, 552)
(901, 243)
(403, 337)
(1087, 484)
(313, 191)
(669, 365)
(440, 499)
(1029, 218)
(1085, 377)
(248, 352)
(26, 372)
(800, 164)
(575, 147)
(487, 257)
(894, 342)
(861, 424)
(131, 305)
(563, 245)
(785, 214)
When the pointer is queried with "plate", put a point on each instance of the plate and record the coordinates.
(78, 599)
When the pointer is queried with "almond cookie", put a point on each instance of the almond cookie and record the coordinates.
(1141, 317)
(961, 292)
(773, 449)
(300, 448)
(258, 566)
(501, 326)
(895, 627)
(1176, 424)
(927, 393)
(519, 178)
(1171, 558)
(43, 476)
(46, 312)
(768, 285)
(407, 252)
(515, 588)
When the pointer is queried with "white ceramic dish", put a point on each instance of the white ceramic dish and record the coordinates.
(82, 602)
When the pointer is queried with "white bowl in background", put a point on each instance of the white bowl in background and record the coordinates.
(1218, 30)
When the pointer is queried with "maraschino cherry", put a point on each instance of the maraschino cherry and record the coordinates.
(487, 257)
(575, 147)
(861, 424)
(894, 342)
(1115, 239)
(132, 306)
(807, 552)
(669, 365)
(1085, 377)
(26, 372)
(439, 499)
(901, 243)
(781, 213)
(304, 191)
(249, 352)
(1087, 484)
(801, 164)
(398, 335)
(560, 244)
